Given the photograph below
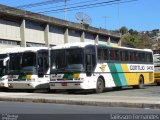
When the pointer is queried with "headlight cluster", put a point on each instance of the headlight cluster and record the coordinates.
(31, 79)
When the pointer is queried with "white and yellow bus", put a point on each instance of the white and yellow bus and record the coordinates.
(156, 57)
(29, 68)
(99, 66)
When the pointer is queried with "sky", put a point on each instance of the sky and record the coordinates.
(140, 15)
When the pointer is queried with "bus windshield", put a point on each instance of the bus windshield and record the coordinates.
(22, 63)
(68, 60)
(3, 56)
(28, 64)
(2, 65)
(2, 68)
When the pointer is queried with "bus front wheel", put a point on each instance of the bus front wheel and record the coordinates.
(100, 85)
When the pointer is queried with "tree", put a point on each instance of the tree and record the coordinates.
(144, 41)
(123, 30)
(133, 32)
(129, 40)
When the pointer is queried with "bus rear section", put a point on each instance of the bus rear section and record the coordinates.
(4, 59)
(29, 69)
(82, 66)
(157, 68)
(4, 65)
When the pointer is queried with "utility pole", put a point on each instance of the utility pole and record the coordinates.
(118, 15)
(105, 21)
(65, 10)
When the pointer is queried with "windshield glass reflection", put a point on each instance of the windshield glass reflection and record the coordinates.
(68, 60)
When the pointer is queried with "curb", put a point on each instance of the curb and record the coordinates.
(80, 102)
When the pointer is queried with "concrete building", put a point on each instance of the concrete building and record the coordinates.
(24, 28)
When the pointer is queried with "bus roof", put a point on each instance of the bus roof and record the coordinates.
(33, 49)
(8, 50)
(69, 45)
(83, 44)
(21, 49)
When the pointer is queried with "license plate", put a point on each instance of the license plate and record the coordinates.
(64, 84)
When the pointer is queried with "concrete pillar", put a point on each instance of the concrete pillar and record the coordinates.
(97, 39)
(119, 42)
(22, 33)
(46, 35)
(82, 36)
(109, 40)
(66, 35)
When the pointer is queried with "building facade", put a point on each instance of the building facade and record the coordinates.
(24, 28)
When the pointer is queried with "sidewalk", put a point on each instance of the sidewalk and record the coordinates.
(89, 99)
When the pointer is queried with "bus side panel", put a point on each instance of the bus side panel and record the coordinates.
(118, 75)
(131, 77)
(103, 70)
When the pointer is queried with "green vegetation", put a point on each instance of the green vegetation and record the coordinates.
(133, 38)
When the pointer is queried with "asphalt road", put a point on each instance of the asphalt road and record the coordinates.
(146, 98)
(64, 112)
(148, 91)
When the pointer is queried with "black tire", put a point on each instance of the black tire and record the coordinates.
(141, 83)
(158, 83)
(99, 86)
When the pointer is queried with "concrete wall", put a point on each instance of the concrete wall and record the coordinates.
(9, 30)
(89, 37)
(23, 28)
(56, 35)
(34, 32)
(74, 36)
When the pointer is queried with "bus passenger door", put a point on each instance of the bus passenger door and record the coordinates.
(90, 60)
(43, 64)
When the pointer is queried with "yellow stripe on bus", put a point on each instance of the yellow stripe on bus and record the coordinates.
(130, 76)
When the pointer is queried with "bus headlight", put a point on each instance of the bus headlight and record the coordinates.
(32, 79)
(1, 84)
(2, 79)
(9, 79)
(53, 79)
(78, 78)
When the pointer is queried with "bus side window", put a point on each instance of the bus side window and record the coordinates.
(112, 55)
(132, 56)
(122, 55)
(141, 57)
(100, 54)
(117, 55)
(126, 56)
(106, 54)
(149, 57)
